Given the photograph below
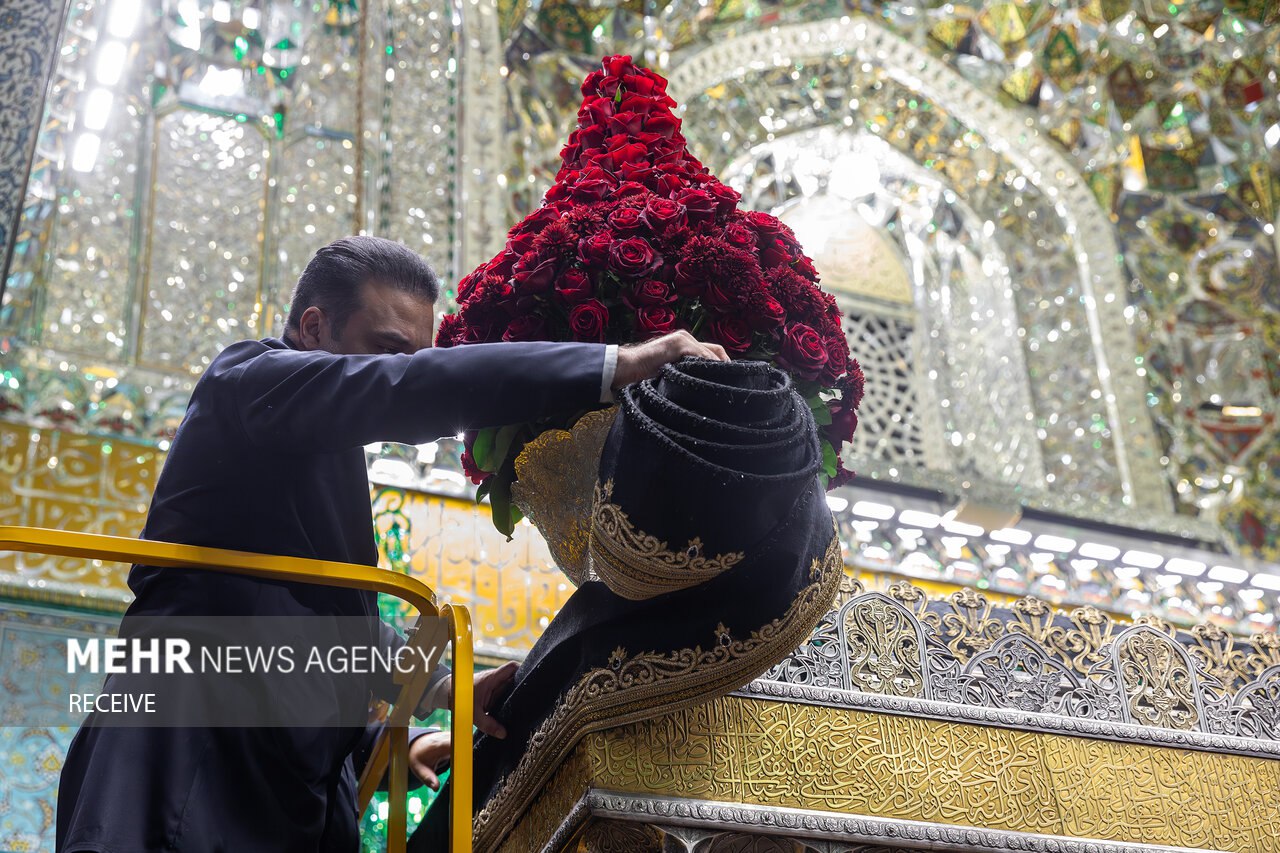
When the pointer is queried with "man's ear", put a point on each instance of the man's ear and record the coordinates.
(313, 328)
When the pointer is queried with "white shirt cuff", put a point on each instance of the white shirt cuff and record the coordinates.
(610, 369)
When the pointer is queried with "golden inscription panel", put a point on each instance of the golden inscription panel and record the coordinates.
(737, 750)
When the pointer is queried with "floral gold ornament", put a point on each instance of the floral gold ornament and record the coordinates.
(636, 565)
(563, 463)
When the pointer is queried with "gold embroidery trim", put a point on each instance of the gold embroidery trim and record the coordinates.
(636, 565)
(636, 688)
(555, 480)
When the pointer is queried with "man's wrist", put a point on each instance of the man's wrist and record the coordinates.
(437, 695)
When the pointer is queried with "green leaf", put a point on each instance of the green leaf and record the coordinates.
(821, 414)
(501, 508)
(830, 461)
(484, 488)
(482, 449)
(502, 444)
(808, 388)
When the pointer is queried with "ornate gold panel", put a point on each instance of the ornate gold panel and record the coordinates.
(747, 751)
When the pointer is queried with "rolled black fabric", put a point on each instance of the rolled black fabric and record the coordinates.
(700, 466)
(710, 469)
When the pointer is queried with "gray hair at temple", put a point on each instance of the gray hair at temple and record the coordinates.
(334, 278)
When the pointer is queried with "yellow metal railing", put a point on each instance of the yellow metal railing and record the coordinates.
(437, 622)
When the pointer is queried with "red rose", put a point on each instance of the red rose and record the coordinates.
(764, 223)
(559, 190)
(773, 253)
(722, 292)
(740, 236)
(639, 84)
(521, 243)
(539, 219)
(468, 285)
(534, 274)
(629, 153)
(471, 469)
(804, 266)
(588, 321)
(639, 173)
(640, 105)
(633, 257)
(726, 198)
(844, 420)
(618, 66)
(837, 355)
(764, 312)
(593, 185)
(650, 293)
(450, 331)
(595, 111)
(591, 81)
(731, 332)
(626, 121)
(669, 183)
(574, 287)
(570, 154)
(593, 251)
(700, 205)
(804, 353)
(663, 124)
(591, 137)
(655, 321)
(608, 86)
(667, 150)
(628, 187)
(478, 333)
(662, 215)
(626, 221)
(529, 327)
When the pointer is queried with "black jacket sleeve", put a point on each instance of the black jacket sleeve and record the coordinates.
(364, 750)
(293, 401)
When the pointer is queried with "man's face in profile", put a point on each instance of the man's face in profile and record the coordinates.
(387, 320)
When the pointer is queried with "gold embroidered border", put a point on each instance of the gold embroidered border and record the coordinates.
(555, 480)
(636, 688)
(636, 565)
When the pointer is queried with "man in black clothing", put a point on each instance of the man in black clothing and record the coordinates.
(269, 458)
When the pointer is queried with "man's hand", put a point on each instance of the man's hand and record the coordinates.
(426, 753)
(643, 361)
(490, 686)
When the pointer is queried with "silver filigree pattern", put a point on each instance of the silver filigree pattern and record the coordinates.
(966, 652)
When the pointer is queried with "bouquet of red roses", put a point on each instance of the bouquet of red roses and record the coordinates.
(636, 239)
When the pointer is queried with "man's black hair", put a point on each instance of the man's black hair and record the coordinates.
(333, 278)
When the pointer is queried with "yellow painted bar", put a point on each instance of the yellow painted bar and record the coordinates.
(460, 731)
(398, 790)
(94, 546)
